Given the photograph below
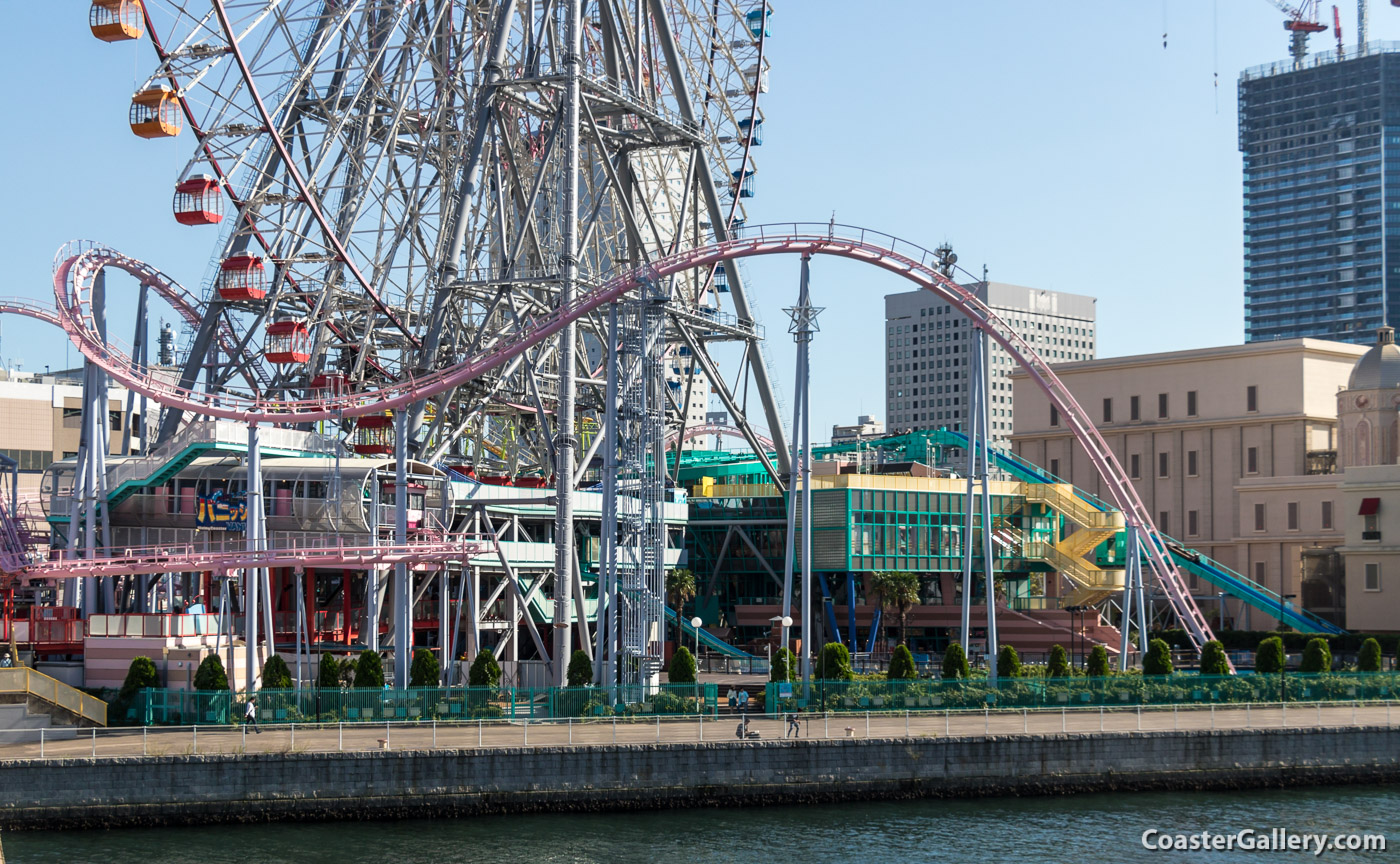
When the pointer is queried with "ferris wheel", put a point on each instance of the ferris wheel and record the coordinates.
(391, 185)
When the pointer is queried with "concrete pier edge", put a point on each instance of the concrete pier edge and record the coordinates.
(210, 789)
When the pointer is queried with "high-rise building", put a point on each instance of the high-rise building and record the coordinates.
(1319, 211)
(926, 352)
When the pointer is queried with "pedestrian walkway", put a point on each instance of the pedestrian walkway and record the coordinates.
(467, 735)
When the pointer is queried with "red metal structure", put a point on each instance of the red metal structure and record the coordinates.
(288, 342)
(198, 202)
(242, 278)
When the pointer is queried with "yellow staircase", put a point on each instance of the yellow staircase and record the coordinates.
(21, 680)
(1092, 583)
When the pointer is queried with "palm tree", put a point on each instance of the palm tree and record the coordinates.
(897, 590)
(680, 588)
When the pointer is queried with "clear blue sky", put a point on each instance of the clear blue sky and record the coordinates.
(1059, 143)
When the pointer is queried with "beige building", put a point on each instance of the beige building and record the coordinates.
(1233, 451)
(1369, 450)
(41, 421)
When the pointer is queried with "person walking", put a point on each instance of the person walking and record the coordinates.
(250, 715)
(793, 726)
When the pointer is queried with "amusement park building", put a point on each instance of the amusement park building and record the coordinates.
(42, 419)
(1234, 450)
(926, 345)
(1320, 195)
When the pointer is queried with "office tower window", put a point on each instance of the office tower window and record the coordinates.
(1191, 463)
(1161, 406)
(1292, 515)
(1193, 527)
(1135, 466)
(1190, 403)
(1327, 515)
(1134, 409)
(1108, 410)
(1251, 460)
(1251, 398)
(1161, 464)
(1259, 520)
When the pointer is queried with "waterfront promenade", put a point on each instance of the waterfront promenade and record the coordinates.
(155, 742)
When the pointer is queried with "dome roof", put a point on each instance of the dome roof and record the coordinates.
(1379, 368)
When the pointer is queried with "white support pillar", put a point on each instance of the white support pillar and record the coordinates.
(403, 589)
(803, 326)
(566, 441)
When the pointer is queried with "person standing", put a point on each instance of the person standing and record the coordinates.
(793, 726)
(250, 715)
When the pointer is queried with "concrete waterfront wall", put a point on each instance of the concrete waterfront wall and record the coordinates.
(402, 784)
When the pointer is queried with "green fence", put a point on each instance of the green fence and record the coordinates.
(1117, 691)
(188, 707)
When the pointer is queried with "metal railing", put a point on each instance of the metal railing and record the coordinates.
(22, 679)
(483, 734)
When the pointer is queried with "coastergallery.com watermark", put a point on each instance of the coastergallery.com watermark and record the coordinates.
(1273, 840)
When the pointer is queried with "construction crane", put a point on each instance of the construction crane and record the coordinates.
(1302, 21)
(1337, 28)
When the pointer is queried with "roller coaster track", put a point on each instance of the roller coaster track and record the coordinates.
(714, 429)
(133, 561)
(73, 279)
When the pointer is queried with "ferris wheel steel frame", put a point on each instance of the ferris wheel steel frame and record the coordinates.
(887, 252)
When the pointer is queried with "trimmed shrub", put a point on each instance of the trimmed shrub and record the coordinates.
(1369, 659)
(902, 666)
(955, 663)
(580, 672)
(328, 673)
(1213, 660)
(834, 663)
(1158, 660)
(426, 671)
(210, 675)
(681, 671)
(484, 671)
(1058, 667)
(783, 667)
(275, 674)
(369, 670)
(140, 675)
(1269, 657)
(1317, 657)
(1098, 663)
(1008, 662)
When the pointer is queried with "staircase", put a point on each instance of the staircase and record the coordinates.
(1092, 583)
(36, 691)
(19, 726)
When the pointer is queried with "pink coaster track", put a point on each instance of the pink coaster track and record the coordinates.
(187, 558)
(72, 289)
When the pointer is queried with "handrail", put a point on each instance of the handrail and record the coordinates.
(31, 682)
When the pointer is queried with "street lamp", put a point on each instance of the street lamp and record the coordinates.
(695, 623)
(787, 622)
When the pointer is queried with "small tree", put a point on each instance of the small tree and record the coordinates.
(1317, 657)
(1098, 663)
(1213, 660)
(1158, 660)
(580, 672)
(1369, 660)
(897, 590)
(902, 666)
(834, 663)
(781, 669)
(140, 675)
(682, 669)
(426, 671)
(955, 663)
(1269, 657)
(328, 673)
(484, 671)
(275, 674)
(1058, 667)
(680, 588)
(1008, 663)
(210, 675)
(369, 671)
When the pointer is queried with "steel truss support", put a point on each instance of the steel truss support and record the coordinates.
(634, 526)
(978, 476)
(803, 327)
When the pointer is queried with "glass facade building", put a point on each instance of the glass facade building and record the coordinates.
(1321, 148)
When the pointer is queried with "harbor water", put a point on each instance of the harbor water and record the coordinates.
(1084, 829)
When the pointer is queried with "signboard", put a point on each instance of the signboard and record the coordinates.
(221, 512)
(785, 690)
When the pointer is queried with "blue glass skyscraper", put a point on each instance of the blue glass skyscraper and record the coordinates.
(1321, 216)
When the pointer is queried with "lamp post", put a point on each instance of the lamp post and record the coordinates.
(1283, 667)
(695, 623)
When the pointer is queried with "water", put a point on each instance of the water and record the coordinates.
(1084, 829)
